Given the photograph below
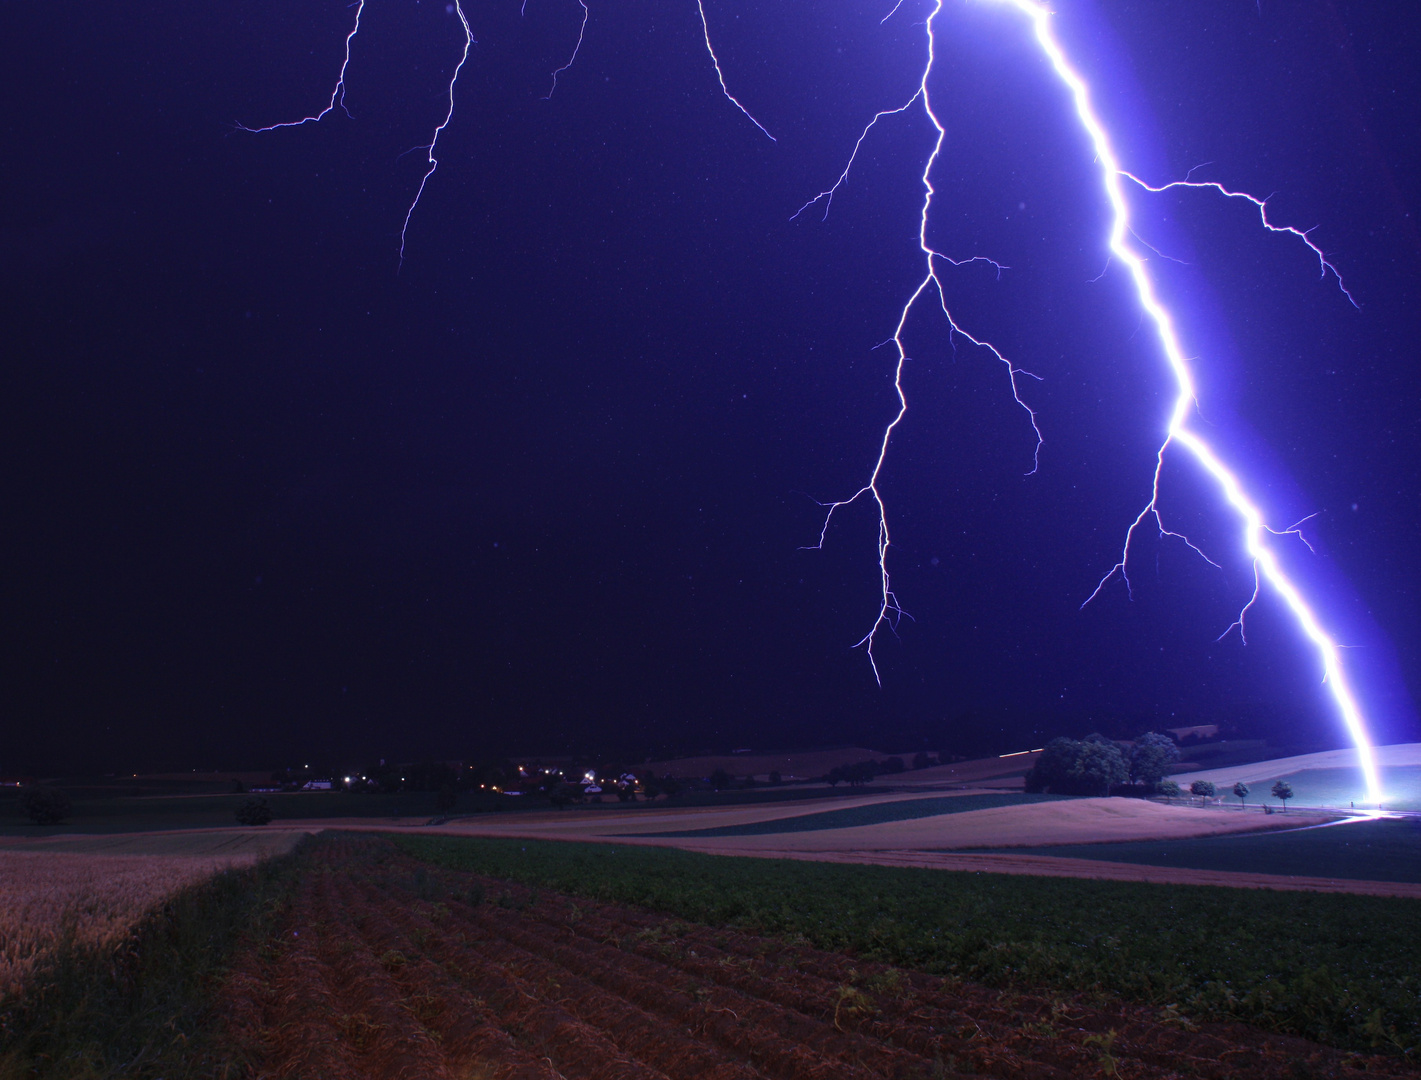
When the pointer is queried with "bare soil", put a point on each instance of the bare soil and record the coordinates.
(387, 968)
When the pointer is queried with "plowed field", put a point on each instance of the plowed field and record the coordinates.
(386, 968)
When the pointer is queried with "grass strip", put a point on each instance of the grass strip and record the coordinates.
(872, 814)
(1342, 970)
(143, 1008)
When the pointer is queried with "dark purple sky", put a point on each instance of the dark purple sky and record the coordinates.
(265, 496)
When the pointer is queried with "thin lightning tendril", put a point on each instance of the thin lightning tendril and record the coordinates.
(430, 160)
(432, 163)
(581, 33)
(337, 95)
(720, 75)
(1323, 265)
(889, 611)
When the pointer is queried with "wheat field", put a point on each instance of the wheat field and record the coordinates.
(91, 890)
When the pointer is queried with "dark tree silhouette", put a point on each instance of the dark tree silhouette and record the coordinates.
(254, 812)
(45, 805)
(1203, 788)
(1283, 791)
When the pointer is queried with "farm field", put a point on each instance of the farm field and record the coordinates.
(1329, 779)
(89, 891)
(1367, 850)
(128, 813)
(885, 822)
(389, 966)
(370, 956)
(1311, 963)
(867, 813)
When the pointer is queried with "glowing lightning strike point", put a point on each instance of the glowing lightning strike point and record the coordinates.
(705, 29)
(337, 95)
(889, 611)
(1255, 531)
(429, 157)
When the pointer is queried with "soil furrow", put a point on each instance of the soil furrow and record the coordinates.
(789, 1043)
(634, 1032)
(393, 1044)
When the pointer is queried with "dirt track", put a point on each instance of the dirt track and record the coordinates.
(389, 969)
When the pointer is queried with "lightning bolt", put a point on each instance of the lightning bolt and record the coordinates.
(890, 612)
(431, 162)
(1256, 533)
(1180, 432)
(581, 33)
(720, 75)
(337, 95)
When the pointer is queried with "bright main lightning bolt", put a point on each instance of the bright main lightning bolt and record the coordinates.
(1256, 533)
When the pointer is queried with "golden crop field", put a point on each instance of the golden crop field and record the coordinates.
(95, 888)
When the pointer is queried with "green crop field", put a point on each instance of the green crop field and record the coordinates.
(1340, 969)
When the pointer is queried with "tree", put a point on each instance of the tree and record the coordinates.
(1241, 790)
(1052, 766)
(1203, 788)
(1100, 767)
(562, 793)
(1168, 787)
(445, 798)
(1068, 767)
(775, 777)
(720, 780)
(254, 812)
(45, 805)
(862, 772)
(921, 760)
(1284, 791)
(1151, 757)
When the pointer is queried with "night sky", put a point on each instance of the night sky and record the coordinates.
(269, 496)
